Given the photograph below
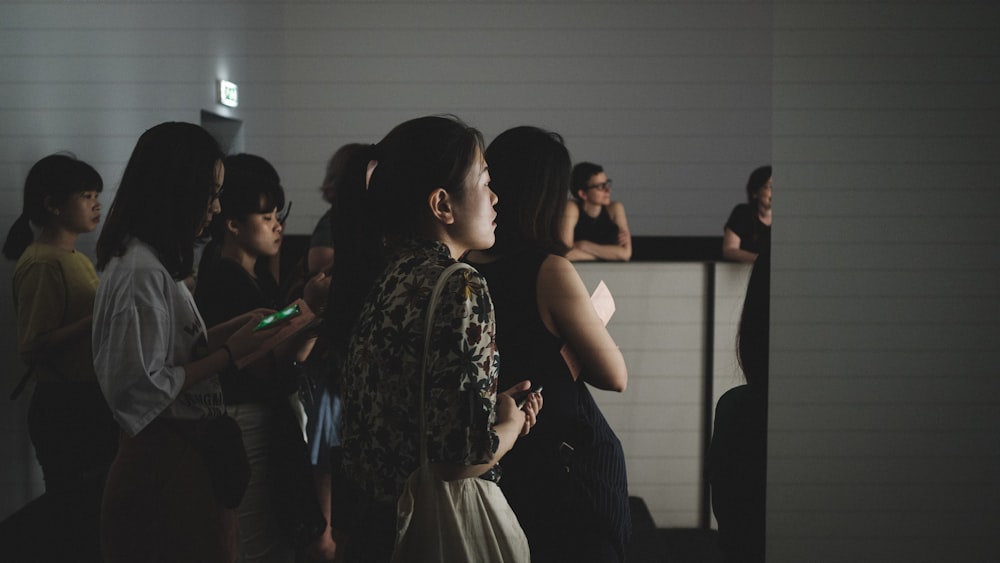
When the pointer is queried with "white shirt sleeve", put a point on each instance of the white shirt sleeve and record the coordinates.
(131, 359)
(134, 340)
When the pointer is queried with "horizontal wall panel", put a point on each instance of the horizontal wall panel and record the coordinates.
(665, 363)
(306, 94)
(883, 17)
(879, 69)
(836, 443)
(917, 364)
(659, 389)
(733, 70)
(122, 125)
(882, 97)
(870, 126)
(677, 445)
(544, 16)
(836, 310)
(193, 16)
(613, 124)
(876, 256)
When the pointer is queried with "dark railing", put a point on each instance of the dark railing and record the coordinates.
(676, 249)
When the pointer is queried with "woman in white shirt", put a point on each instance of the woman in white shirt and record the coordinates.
(166, 497)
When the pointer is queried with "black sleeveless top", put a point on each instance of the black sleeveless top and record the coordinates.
(555, 507)
(600, 229)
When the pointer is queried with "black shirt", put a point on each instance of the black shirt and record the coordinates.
(225, 290)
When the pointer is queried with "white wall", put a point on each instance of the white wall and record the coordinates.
(884, 441)
(673, 98)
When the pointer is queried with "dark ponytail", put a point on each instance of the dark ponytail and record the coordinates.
(371, 216)
(50, 183)
(357, 245)
(19, 237)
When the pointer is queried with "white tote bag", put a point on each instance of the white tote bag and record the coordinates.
(453, 521)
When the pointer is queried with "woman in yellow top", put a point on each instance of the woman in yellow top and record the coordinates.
(70, 424)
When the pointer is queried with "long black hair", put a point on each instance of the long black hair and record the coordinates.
(163, 195)
(50, 183)
(370, 217)
(529, 172)
(753, 336)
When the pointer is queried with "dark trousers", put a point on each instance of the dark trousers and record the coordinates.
(73, 432)
(75, 440)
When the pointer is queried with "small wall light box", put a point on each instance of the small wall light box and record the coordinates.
(229, 95)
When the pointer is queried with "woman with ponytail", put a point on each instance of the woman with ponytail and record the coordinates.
(409, 208)
(70, 425)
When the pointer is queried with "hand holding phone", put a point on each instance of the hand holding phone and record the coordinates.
(281, 316)
(524, 399)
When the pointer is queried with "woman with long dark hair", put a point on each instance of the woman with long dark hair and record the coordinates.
(170, 490)
(410, 207)
(737, 459)
(566, 480)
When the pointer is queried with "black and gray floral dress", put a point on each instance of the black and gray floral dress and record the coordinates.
(382, 375)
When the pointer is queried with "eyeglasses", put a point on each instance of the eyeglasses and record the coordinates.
(603, 186)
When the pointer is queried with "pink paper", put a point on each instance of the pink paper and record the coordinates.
(604, 305)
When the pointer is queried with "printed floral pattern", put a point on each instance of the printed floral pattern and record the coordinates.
(382, 374)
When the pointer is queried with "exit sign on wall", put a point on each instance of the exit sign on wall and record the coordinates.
(229, 95)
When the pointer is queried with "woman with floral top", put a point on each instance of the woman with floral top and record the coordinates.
(411, 206)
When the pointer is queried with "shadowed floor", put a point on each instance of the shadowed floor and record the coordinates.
(669, 545)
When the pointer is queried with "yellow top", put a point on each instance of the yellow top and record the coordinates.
(54, 288)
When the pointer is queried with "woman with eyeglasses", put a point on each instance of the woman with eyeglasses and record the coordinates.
(595, 228)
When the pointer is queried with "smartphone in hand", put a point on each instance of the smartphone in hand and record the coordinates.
(523, 400)
(281, 316)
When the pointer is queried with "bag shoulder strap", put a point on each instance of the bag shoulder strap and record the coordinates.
(431, 309)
